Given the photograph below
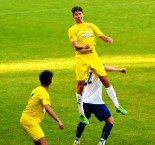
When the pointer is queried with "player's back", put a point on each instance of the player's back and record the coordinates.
(34, 111)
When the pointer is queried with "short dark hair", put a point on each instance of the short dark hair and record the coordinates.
(76, 8)
(45, 77)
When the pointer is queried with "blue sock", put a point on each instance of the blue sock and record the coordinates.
(80, 129)
(106, 130)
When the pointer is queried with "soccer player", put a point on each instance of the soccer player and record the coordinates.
(93, 104)
(82, 36)
(38, 104)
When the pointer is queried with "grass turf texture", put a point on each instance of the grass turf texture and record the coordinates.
(34, 37)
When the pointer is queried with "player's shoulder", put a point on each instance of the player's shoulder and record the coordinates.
(72, 27)
(39, 89)
(42, 92)
(89, 24)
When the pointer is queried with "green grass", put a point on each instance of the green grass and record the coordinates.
(33, 37)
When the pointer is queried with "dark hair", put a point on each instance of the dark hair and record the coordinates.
(45, 77)
(76, 8)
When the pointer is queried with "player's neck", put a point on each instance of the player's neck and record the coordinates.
(46, 87)
(79, 22)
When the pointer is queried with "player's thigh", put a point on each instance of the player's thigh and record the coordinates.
(101, 112)
(82, 68)
(41, 141)
(87, 109)
(97, 67)
(34, 131)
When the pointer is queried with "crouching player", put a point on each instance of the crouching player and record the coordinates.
(38, 104)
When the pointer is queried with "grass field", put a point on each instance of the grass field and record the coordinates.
(33, 37)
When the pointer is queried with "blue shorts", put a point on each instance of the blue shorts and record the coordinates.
(100, 111)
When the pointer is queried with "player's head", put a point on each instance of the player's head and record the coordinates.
(45, 77)
(78, 14)
(76, 8)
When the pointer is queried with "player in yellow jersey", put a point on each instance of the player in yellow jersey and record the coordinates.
(82, 36)
(38, 104)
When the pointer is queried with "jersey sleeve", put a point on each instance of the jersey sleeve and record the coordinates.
(97, 31)
(46, 99)
(72, 35)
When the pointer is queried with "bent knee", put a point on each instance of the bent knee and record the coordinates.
(110, 120)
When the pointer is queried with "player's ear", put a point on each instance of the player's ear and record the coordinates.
(83, 15)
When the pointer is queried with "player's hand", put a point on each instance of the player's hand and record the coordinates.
(123, 70)
(87, 46)
(110, 40)
(60, 124)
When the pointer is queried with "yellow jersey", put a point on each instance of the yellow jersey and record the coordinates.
(85, 34)
(34, 111)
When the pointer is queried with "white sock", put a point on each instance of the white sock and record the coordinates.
(80, 103)
(112, 95)
(77, 140)
(102, 141)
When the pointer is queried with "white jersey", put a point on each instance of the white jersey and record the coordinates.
(93, 90)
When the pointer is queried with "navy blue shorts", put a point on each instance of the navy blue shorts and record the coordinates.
(100, 111)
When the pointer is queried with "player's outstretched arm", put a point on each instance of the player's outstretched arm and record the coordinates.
(51, 112)
(106, 39)
(114, 69)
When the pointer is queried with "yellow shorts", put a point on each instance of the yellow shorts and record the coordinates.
(86, 62)
(34, 131)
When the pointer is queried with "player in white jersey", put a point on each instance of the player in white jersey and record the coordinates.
(94, 104)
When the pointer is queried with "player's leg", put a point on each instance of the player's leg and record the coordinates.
(79, 131)
(80, 87)
(81, 126)
(36, 134)
(105, 81)
(106, 129)
(36, 143)
(101, 73)
(109, 120)
(81, 71)
(98, 70)
(41, 141)
(110, 90)
(79, 90)
(102, 113)
(111, 93)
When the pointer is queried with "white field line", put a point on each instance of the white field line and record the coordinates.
(60, 9)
